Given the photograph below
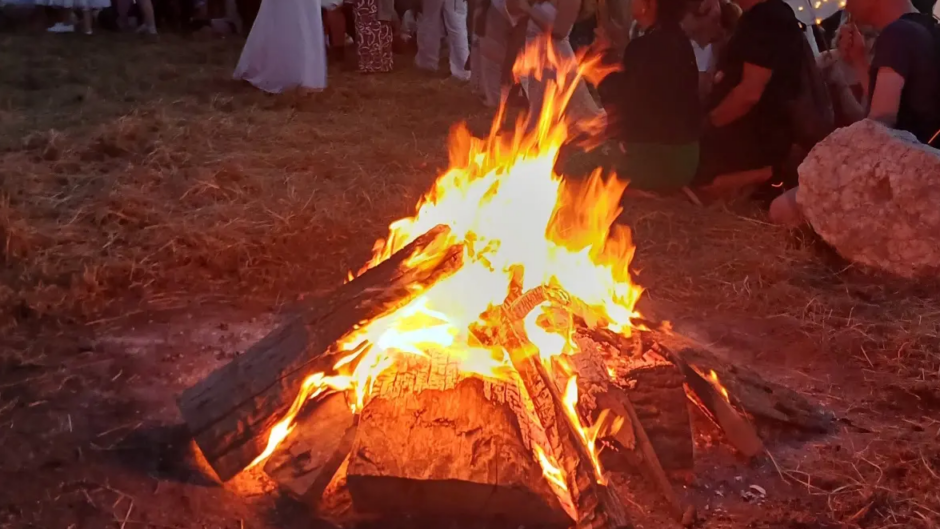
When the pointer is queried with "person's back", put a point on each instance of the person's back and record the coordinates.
(654, 108)
(768, 35)
(759, 76)
(908, 46)
(658, 95)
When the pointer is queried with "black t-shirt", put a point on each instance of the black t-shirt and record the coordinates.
(907, 47)
(655, 98)
(768, 35)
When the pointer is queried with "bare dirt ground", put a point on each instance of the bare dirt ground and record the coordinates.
(156, 219)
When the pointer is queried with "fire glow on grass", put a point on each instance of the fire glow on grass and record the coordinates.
(506, 206)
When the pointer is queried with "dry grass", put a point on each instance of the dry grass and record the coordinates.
(134, 174)
(137, 171)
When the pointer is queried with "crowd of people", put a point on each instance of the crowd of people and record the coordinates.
(714, 96)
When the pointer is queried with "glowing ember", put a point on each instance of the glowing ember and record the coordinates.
(509, 210)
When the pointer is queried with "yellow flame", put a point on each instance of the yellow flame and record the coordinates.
(713, 377)
(588, 435)
(509, 210)
(550, 469)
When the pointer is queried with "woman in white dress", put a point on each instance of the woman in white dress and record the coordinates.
(286, 47)
(65, 7)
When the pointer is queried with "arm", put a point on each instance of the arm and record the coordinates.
(743, 97)
(565, 18)
(886, 97)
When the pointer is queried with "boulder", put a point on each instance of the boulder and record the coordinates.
(873, 193)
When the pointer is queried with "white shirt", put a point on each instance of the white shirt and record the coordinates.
(703, 56)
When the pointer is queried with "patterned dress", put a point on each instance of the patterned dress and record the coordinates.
(373, 38)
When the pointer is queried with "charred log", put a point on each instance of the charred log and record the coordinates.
(738, 431)
(662, 407)
(765, 401)
(597, 505)
(597, 392)
(335, 505)
(232, 410)
(308, 458)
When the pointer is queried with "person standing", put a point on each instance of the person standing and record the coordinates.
(64, 9)
(553, 20)
(336, 29)
(147, 26)
(437, 18)
(374, 34)
(286, 48)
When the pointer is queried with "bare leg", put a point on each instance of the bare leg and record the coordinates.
(785, 210)
(336, 26)
(123, 7)
(86, 21)
(149, 25)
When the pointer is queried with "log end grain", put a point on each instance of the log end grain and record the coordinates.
(451, 452)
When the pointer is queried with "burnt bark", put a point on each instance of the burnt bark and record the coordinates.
(635, 439)
(765, 401)
(737, 429)
(597, 505)
(305, 462)
(662, 407)
(231, 412)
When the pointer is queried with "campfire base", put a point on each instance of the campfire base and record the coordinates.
(434, 442)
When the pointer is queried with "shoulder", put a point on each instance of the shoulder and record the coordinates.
(661, 45)
(905, 30)
(771, 13)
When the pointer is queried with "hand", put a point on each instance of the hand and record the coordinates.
(851, 44)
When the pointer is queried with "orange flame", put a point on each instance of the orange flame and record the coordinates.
(550, 469)
(509, 210)
(589, 435)
(713, 378)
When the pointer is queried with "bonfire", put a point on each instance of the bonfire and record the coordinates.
(475, 366)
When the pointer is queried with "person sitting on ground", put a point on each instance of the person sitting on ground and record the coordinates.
(748, 127)
(653, 105)
(901, 82)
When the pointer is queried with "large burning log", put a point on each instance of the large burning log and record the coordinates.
(433, 442)
(231, 412)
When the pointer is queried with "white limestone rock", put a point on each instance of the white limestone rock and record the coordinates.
(873, 193)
